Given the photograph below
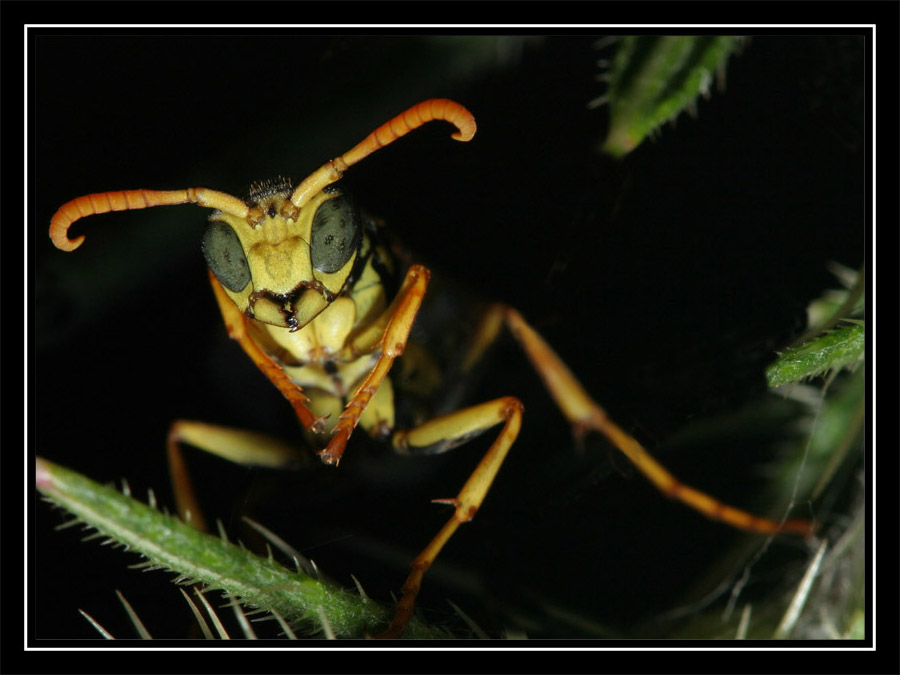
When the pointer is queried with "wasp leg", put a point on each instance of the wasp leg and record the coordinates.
(585, 415)
(236, 445)
(398, 320)
(237, 325)
(438, 435)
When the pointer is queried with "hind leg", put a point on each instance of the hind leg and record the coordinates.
(585, 415)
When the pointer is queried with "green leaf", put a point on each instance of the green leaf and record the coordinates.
(837, 349)
(653, 78)
(257, 582)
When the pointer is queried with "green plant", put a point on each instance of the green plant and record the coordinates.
(305, 602)
(654, 78)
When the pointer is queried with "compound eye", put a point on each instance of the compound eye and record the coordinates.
(225, 256)
(335, 234)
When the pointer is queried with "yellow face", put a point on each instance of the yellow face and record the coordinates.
(285, 270)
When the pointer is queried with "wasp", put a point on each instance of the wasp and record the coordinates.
(322, 299)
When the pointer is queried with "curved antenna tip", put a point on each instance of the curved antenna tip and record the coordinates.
(63, 243)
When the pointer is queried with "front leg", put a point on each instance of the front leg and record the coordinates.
(237, 325)
(399, 318)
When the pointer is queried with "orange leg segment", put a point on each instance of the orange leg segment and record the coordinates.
(462, 424)
(237, 445)
(236, 323)
(402, 315)
(585, 415)
(185, 500)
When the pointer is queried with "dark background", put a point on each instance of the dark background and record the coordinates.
(666, 281)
